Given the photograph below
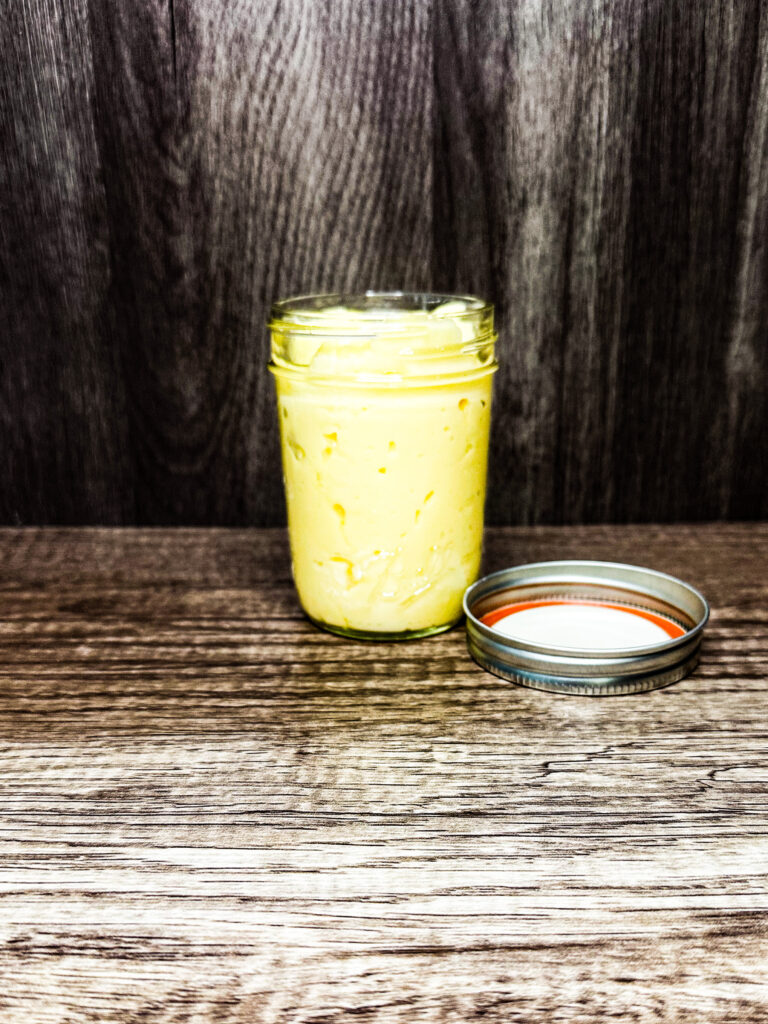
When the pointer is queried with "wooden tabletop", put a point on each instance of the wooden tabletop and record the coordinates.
(211, 811)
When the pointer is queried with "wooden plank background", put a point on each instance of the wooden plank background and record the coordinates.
(168, 167)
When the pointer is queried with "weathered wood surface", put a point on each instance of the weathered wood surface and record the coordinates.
(210, 811)
(599, 170)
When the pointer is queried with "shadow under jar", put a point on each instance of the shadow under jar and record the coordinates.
(384, 403)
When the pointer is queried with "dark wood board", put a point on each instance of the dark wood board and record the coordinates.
(599, 170)
(212, 811)
(64, 453)
(616, 158)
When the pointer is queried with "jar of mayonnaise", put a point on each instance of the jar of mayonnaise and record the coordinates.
(384, 403)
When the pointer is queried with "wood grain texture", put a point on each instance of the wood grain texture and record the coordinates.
(211, 811)
(63, 445)
(615, 158)
(599, 170)
(239, 154)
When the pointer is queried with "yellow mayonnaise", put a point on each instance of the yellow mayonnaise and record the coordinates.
(384, 418)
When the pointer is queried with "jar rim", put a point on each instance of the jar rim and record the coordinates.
(315, 309)
(382, 336)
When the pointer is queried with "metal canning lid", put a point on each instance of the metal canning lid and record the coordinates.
(583, 627)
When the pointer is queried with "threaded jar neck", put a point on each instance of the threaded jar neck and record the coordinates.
(383, 337)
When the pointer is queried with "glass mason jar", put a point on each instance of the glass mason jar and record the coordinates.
(384, 403)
